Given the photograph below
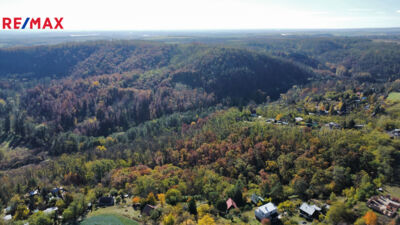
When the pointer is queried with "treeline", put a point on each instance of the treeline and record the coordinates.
(83, 59)
(358, 57)
(194, 77)
(227, 154)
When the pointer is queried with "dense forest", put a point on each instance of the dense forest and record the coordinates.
(185, 126)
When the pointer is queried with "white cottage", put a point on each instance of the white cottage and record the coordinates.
(268, 210)
(309, 211)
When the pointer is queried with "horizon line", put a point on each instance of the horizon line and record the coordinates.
(197, 30)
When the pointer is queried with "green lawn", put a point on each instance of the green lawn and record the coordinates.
(112, 215)
(108, 219)
(392, 190)
(394, 96)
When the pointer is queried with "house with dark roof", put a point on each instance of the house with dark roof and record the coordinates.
(386, 205)
(148, 209)
(309, 211)
(58, 192)
(106, 201)
(255, 199)
(230, 204)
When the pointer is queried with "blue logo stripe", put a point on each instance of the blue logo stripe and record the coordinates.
(26, 22)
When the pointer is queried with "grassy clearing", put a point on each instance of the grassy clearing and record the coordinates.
(392, 190)
(108, 219)
(124, 212)
(394, 96)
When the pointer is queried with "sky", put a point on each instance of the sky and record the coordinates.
(209, 14)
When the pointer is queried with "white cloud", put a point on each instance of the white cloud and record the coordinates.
(319, 13)
(360, 10)
(398, 11)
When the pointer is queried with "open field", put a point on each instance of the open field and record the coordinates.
(107, 219)
(125, 214)
(394, 96)
(392, 190)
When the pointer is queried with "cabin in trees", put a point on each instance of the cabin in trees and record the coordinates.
(230, 204)
(106, 201)
(58, 192)
(386, 205)
(270, 120)
(7, 217)
(256, 199)
(309, 211)
(32, 193)
(298, 119)
(50, 210)
(333, 125)
(268, 210)
(394, 133)
(254, 115)
(148, 209)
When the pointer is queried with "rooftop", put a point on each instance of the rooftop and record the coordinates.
(230, 203)
(309, 209)
(267, 208)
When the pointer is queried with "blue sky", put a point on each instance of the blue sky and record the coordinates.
(209, 14)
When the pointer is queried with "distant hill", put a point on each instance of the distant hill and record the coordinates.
(239, 74)
(107, 86)
(83, 59)
(366, 59)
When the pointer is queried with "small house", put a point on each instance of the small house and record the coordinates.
(386, 205)
(332, 125)
(50, 210)
(7, 218)
(33, 193)
(268, 210)
(58, 191)
(298, 119)
(230, 203)
(270, 120)
(359, 126)
(90, 206)
(136, 206)
(106, 201)
(148, 209)
(7, 210)
(281, 122)
(309, 211)
(394, 133)
(256, 199)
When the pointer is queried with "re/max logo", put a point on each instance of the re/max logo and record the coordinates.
(17, 23)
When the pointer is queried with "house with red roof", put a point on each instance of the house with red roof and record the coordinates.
(230, 203)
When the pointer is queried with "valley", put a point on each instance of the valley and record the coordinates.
(201, 129)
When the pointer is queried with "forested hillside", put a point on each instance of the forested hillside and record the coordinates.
(83, 59)
(360, 58)
(112, 86)
(171, 132)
